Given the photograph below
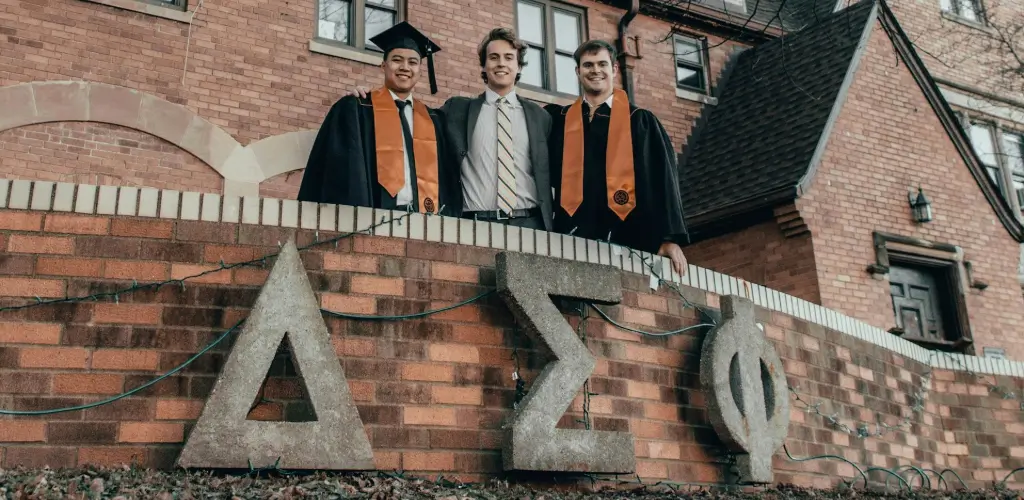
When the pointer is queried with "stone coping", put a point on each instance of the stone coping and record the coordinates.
(172, 204)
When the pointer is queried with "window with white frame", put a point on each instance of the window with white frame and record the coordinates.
(552, 32)
(691, 63)
(1003, 159)
(981, 139)
(355, 22)
(967, 9)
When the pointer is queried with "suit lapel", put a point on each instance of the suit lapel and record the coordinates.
(474, 113)
(534, 130)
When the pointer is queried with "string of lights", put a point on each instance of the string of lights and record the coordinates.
(649, 334)
(862, 429)
(403, 317)
(134, 391)
(157, 285)
(649, 264)
(861, 473)
(858, 429)
(259, 261)
(983, 380)
(520, 391)
(223, 336)
(581, 332)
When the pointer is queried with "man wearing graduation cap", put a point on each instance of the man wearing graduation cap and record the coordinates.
(386, 150)
(613, 165)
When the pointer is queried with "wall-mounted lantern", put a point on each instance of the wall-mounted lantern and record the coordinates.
(920, 206)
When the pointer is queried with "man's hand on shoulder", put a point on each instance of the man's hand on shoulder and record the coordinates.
(360, 91)
(554, 110)
(675, 254)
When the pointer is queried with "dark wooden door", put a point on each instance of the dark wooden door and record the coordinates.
(915, 299)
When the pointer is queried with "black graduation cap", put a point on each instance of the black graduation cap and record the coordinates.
(404, 36)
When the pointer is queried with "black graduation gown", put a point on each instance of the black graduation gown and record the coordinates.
(342, 166)
(658, 213)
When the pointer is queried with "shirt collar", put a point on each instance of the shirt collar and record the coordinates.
(608, 101)
(492, 97)
(395, 96)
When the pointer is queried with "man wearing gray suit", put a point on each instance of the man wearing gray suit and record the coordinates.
(500, 141)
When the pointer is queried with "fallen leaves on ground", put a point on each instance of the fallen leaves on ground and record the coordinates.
(131, 483)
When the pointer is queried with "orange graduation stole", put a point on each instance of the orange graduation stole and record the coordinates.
(387, 131)
(619, 174)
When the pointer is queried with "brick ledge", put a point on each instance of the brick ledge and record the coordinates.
(171, 204)
(344, 52)
(544, 97)
(696, 96)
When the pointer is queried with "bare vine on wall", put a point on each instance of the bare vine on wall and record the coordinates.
(981, 41)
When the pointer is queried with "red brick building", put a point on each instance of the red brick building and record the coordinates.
(241, 73)
(225, 98)
(802, 179)
(221, 100)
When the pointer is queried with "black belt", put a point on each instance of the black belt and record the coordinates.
(492, 215)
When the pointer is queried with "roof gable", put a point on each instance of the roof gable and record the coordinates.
(774, 105)
(761, 145)
(905, 48)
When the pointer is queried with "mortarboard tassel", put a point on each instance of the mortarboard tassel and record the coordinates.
(430, 71)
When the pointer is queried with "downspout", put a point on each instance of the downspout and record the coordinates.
(627, 73)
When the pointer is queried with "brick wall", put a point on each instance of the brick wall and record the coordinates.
(283, 186)
(886, 142)
(962, 52)
(761, 254)
(432, 393)
(971, 438)
(654, 76)
(251, 72)
(98, 153)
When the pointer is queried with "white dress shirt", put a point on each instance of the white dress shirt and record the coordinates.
(607, 101)
(480, 166)
(404, 196)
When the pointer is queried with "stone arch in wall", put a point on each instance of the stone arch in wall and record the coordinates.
(97, 153)
(278, 157)
(242, 167)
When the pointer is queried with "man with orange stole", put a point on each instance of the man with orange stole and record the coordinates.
(387, 150)
(613, 166)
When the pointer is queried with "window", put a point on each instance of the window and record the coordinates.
(926, 284)
(1003, 159)
(552, 31)
(981, 139)
(1013, 154)
(966, 9)
(691, 64)
(355, 22)
(174, 4)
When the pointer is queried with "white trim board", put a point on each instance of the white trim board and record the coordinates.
(982, 105)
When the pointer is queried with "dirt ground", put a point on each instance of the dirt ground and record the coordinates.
(129, 483)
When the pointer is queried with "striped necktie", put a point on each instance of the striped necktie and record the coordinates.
(506, 162)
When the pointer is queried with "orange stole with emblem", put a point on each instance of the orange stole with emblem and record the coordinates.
(390, 149)
(619, 175)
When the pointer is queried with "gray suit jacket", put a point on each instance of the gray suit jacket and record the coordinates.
(460, 117)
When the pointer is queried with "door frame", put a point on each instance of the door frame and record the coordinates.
(943, 257)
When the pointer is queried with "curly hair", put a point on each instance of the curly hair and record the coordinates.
(507, 35)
